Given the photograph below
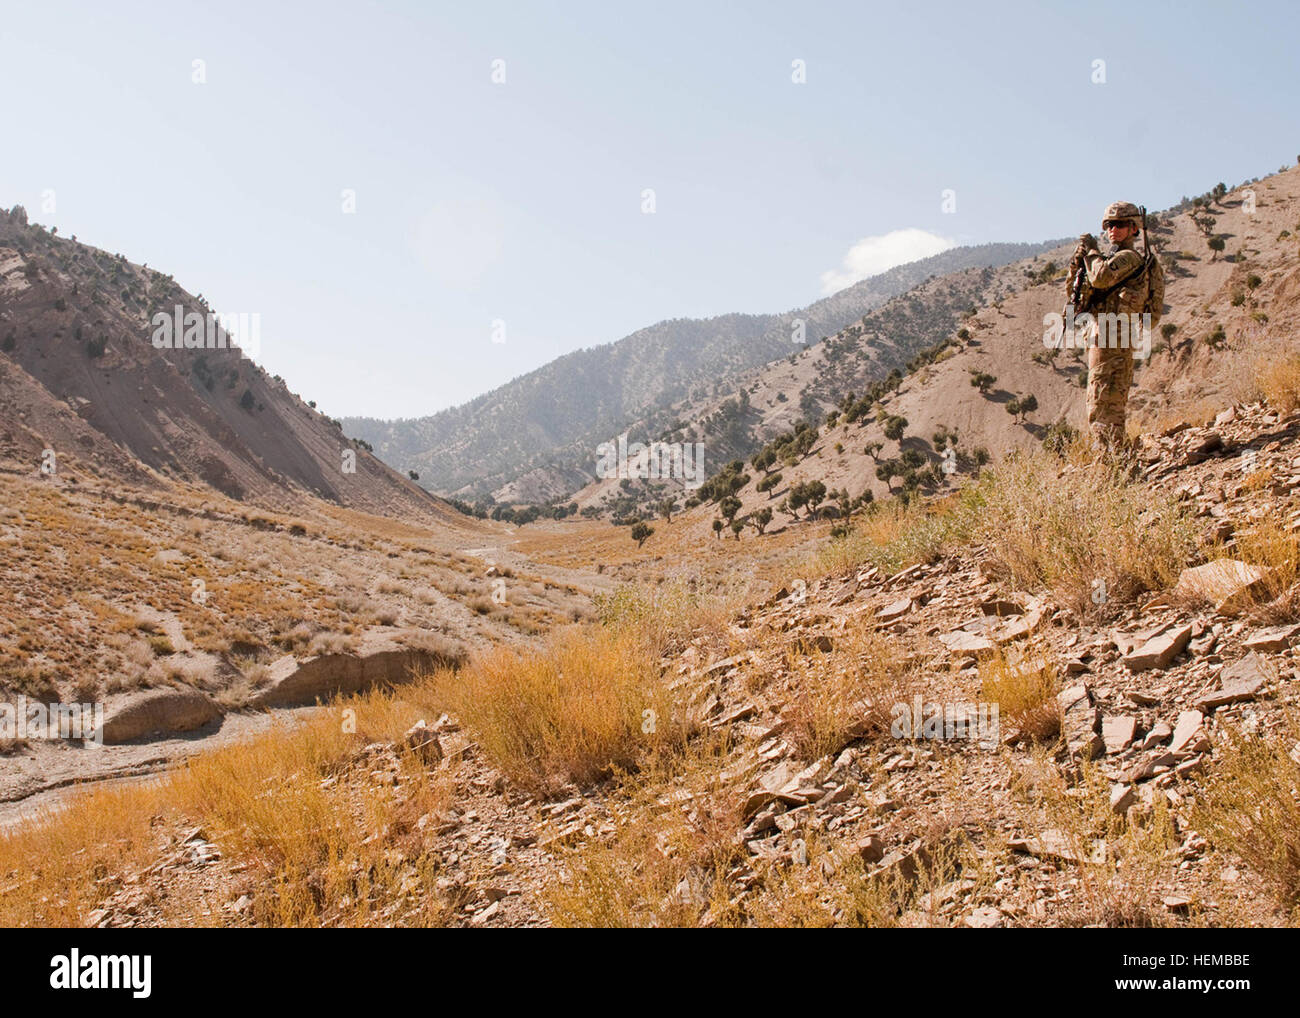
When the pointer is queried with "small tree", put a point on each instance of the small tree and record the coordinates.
(873, 450)
(816, 492)
(769, 484)
(761, 518)
(982, 380)
(640, 531)
(1216, 244)
(887, 471)
(736, 527)
(717, 528)
(665, 508)
(413, 475)
(729, 506)
(894, 427)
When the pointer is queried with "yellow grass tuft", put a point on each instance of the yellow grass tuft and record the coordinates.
(1249, 806)
(1278, 381)
(1084, 531)
(847, 693)
(1024, 688)
(591, 699)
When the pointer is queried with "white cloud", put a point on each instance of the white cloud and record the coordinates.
(873, 255)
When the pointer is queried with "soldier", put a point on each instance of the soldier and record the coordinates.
(1125, 283)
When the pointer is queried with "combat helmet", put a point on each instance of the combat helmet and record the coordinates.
(1122, 212)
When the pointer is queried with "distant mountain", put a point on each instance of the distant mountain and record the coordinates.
(80, 375)
(535, 437)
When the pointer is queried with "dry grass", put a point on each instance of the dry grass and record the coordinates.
(589, 700)
(891, 537)
(297, 806)
(1024, 688)
(846, 693)
(1072, 529)
(1278, 381)
(1250, 805)
(667, 863)
(1121, 864)
(1276, 550)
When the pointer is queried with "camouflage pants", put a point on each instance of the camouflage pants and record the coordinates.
(1110, 374)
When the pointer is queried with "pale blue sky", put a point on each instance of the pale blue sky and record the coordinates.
(522, 201)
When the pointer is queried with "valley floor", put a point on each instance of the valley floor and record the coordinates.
(723, 746)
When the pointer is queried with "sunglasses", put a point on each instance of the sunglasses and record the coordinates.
(1111, 223)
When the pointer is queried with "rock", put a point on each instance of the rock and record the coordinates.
(1118, 732)
(1080, 721)
(1158, 734)
(296, 683)
(1122, 798)
(964, 644)
(983, 918)
(1225, 417)
(871, 848)
(1158, 651)
(1054, 844)
(1240, 681)
(422, 741)
(1228, 583)
(895, 609)
(908, 861)
(158, 712)
(1186, 729)
(1001, 607)
(1268, 641)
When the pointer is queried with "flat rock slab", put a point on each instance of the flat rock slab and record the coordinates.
(1228, 583)
(963, 644)
(295, 683)
(1240, 681)
(1118, 732)
(1186, 732)
(1080, 721)
(1269, 641)
(1054, 844)
(1158, 651)
(158, 712)
(895, 609)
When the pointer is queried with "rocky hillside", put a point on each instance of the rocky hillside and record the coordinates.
(80, 375)
(537, 434)
(1108, 789)
(984, 353)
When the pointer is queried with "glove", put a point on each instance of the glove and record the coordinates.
(1088, 242)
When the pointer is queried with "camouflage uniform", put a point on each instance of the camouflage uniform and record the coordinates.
(1110, 364)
